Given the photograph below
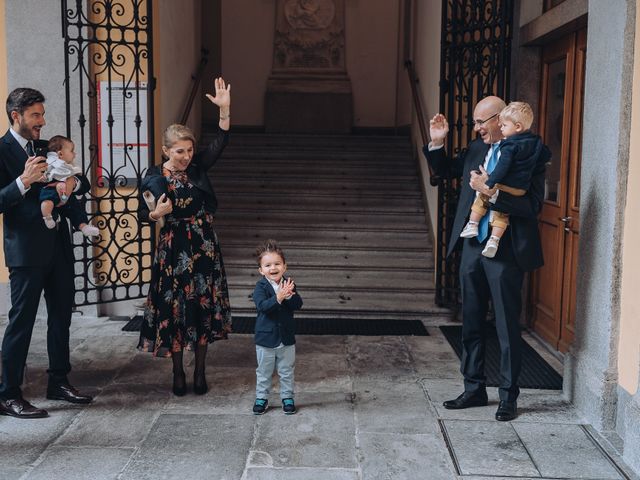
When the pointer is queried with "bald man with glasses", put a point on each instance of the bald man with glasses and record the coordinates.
(481, 278)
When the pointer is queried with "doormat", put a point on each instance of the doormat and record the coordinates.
(133, 325)
(536, 373)
(324, 326)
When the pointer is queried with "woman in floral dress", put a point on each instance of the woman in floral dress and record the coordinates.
(188, 303)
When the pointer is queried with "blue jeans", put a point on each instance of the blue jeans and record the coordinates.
(283, 358)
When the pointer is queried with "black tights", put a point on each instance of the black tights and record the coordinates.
(179, 379)
(199, 379)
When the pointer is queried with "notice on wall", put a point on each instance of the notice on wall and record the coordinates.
(123, 148)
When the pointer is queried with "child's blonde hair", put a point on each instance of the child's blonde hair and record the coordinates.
(518, 112)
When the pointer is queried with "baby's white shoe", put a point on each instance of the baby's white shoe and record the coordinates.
(470, 230)
(49, 222)
(491, 247)
(90, 231)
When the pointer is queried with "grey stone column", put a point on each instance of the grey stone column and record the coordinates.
(592, 365)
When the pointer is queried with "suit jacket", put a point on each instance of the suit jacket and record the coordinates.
(274, 323)
(155, 182)
(27, 241)
(523, 211)
(519, 156)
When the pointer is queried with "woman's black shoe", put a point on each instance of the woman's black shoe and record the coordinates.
(179, 385)
(200, 386)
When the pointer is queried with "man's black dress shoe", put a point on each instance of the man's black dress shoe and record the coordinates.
(64, 391)
(506, 411)
(20, 408)
(468, 399)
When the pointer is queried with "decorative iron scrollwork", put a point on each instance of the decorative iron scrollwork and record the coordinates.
(475, 63)
(109, 116)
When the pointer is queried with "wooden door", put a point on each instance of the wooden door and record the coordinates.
(552, 299)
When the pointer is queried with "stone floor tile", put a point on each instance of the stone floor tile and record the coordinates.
(145, 369)
(12, 473)
(23, 441)
(83, 327)
(320, 435)
(483, 477)
(380, 358)
(116, 418)
(393, 407)
(533, 405)
(433, 357)
(81, 463)
(321, 372)
(564, 451)
(194, 447)
(231, 381)
(403, 457)
(488, 448)
(104, 352)
(368, 409)
(36, 379)
(211, 403)
(546, 406)
(318, 344)
(265, 473)
(38, 348)
(238, 351)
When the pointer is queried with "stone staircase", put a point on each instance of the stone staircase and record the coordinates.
(348, 213)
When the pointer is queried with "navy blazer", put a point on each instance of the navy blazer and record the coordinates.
(274, 324)
(523, 211)
(27, 240)
(155, 182)
(519, 156)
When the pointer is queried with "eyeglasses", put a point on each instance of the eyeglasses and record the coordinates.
(479, 123)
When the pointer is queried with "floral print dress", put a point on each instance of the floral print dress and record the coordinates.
(188, 301)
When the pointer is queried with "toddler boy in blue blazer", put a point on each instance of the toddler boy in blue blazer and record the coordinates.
(276, 299)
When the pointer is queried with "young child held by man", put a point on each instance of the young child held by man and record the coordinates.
(276, 299)
(516, 157)
(60, 174)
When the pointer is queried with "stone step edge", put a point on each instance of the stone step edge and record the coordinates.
(361, 315)
(323, 246)
(323, 211)
(319, 266)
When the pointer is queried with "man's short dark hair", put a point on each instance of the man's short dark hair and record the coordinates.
(22, 98)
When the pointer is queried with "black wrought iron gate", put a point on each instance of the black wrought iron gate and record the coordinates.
(475, 63)
(109, 116)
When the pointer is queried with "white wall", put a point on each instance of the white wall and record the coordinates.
(371, 54)
(372, 60)
(426, 59)
(247, 55)
(176, 56)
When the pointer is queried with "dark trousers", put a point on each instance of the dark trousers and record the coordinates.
(27, 285)
(500, 279)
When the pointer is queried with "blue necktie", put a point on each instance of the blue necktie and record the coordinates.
(29, 148)
(483, 226)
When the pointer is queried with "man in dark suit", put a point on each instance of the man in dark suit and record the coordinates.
(39, 259)
(500, 278)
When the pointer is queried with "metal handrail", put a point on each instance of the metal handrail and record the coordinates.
(197, 78)
(434, 179)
